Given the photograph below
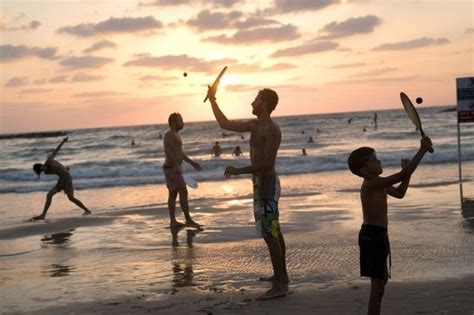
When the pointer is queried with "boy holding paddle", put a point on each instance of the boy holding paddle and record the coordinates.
(373, 236)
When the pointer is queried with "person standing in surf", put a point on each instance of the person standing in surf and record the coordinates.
(265, 138)
(51, 166)
(174, 157)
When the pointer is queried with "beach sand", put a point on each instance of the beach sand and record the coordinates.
(128, 261)
(448, 296)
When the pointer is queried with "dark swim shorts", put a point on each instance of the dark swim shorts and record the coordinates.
(266, 192)
(65, 183)
(374, 251)
(174, 181)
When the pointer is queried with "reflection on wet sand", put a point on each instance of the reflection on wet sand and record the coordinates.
(467, 211)
(57, 241)
(56, 270)
(182, 259)
(61, 239)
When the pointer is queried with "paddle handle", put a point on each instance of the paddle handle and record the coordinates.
(431, 150)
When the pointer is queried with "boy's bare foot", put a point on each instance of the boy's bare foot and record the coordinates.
(176, 224)
(191, 223)
(273, 293)
(87, 212)
(38, 217)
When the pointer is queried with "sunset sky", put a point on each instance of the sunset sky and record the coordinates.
(79, 64)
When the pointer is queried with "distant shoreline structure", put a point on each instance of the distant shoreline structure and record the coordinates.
(46, 134)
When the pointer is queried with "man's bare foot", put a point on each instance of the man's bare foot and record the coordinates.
(273, 293)
(87, 212)
(193, 224)
(38, 217)
(176, 224)
(267, 279)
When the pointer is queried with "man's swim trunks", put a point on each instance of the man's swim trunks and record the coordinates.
(266, 192)
(374, 251)
(65, 183)
(174, 181)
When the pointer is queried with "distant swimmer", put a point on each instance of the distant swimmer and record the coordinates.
(160, 136)
(364, 130)
(216, 150)
(349, 120)
(51, 166)
(174, 157)
(303, 151)
(302, 132)
(375, 121)
(237, 151)
(310, 139)
(317, 130)
(265, 139)
(133, 142)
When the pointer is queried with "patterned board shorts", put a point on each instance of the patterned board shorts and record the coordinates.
(266, 192)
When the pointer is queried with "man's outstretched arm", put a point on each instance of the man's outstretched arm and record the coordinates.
(55, 151)
(272, 144)
(224, 123)
(194, 164)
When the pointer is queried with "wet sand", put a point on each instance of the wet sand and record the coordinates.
(128, 261)
(448, 296)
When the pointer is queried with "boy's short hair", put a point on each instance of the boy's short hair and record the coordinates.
(358, 159)
(271, 97)
(173, 118)
(37, 168)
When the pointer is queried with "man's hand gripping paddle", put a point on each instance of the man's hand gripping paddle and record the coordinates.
(216, 83)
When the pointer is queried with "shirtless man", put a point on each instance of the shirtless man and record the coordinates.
(51, 166)
(174, 173)
(265, 140)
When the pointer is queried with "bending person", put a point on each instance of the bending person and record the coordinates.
(51, 166)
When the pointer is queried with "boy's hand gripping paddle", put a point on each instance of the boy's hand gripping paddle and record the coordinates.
(413, 114)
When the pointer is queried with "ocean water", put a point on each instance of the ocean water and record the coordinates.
(103, 157)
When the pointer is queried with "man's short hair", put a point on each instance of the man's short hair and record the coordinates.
(270, 97)
(37, 168)
(173, 118)
(358, 159)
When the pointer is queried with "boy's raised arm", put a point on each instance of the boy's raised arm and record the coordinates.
(405, 173)
(400, 191)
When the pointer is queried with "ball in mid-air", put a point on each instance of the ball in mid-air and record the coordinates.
(185, 74)
(419, 100)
